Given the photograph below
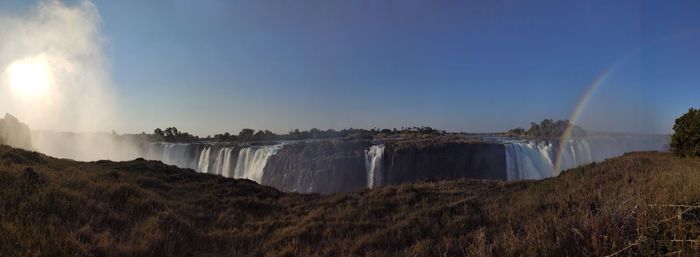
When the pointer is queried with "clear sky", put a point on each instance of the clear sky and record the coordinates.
(212, 66)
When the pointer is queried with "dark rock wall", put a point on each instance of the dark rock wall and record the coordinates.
(318, 167)
(339, 166)
(410, 162)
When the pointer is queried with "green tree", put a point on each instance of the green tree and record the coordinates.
(517, 131)
(158, 132)
(246, 134)
(685, 140)
(534, 129)
(315, 133)
(295, 134)
(260, 135)
(169, 132)
(269, 135)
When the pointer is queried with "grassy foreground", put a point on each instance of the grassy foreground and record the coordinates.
(639, 204)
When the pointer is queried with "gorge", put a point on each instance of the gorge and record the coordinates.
(340, 165)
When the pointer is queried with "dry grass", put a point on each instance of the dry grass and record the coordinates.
(640, 204)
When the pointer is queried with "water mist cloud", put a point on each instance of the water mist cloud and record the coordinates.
(54, 77)
(54, 72)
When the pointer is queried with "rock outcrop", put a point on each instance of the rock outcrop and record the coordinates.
(15, 133)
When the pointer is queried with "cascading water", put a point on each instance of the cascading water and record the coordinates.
(203, 164)
(529, 160)
(213, 159)
(252, 160)
(222, 164)
(535, 160)
(202, 157)
(576, 152)
(524, 159)
(373, 163)
(170, 153)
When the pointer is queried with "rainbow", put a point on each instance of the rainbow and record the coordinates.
(582, 102)
(593, 87)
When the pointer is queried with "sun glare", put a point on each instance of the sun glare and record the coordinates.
(29, 77)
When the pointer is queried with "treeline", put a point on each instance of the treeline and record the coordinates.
(172, 134)
(548, 128)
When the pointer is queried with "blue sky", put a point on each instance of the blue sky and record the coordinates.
(217, 65)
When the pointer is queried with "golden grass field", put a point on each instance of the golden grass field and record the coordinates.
(640, 204)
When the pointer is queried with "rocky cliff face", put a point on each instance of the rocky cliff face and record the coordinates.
(15, 133)
(340, 166)
(410, 161)
(318, 167)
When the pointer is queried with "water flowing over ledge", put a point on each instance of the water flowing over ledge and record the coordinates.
(527, 159)
(252, 160)
(229, 161)
(373, 163)
(327, 166)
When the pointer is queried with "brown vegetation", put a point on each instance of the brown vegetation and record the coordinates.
(639, 204)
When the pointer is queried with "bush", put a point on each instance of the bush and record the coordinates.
(686, 134)
(548, 128)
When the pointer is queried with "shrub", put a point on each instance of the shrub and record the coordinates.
(686, 134)
(549, 128)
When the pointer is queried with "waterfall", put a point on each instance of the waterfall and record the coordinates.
(576, 152)
(373, 164)
(222, 165)
(573, 152)
(535, 160)
(214, 159)
(197, 156)
(173, 153)
(252, 160)
(524, 159)
(203, 164)
(178, 154)
(529, 160)
(226, 166)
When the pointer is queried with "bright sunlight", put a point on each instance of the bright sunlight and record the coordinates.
(29, 77)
